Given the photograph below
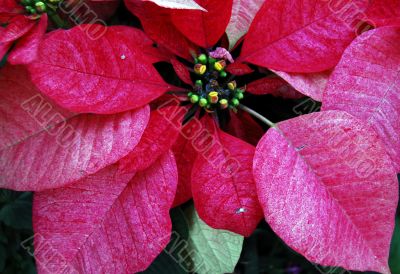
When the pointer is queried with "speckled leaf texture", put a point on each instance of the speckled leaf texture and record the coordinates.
(204, 28)
(43, 146)
(177, 4)
(310, 84)
(384, 13)
(158, 137)
(329, 190)
(366, 84)
(243, 13)
(213, 251)
(103, 72)
(300, 35)
(106, 223)
(223, 187)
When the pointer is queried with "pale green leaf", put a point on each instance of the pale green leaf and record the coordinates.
(211, 250)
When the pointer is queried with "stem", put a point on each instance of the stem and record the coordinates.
(57, 20)
(257, 115)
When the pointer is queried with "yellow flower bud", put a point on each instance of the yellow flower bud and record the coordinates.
(213, 97)
(200, 69)
(220, 65)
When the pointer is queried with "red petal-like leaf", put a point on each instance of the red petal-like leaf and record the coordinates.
(26, 49)
(157, 24)
(310, 84)
(17, 27)
(239, 69)
(243, 13)
(185, 155)
(328, 189)
(107, 222)
(204, 28)
(223, 187)
(243, 126)
(383, 13)
(178, 4)
(301, 35)
(275, 86)
(366, 83)
(107, 73)
(158, 137)
(42, 146)
(181, 71)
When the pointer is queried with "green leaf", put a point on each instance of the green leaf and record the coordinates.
(394, 259)
(211, 250)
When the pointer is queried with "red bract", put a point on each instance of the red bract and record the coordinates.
(51, 148)
(366, 84)
(119, 179)
(23, 31)
(123, 218)
(222, 183)
(300, 36)
(111, 74)
(324, 182)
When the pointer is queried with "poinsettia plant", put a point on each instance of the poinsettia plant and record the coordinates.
(117, 125)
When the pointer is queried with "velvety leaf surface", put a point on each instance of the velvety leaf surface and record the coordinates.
(384, 12)
(185, 155)
(182, 71)
(239, 69)
(328, 189)
(310, 84)
(158, 137)
(273, 85)
(223, 187)
(158, 25)
(24, 111)
(106, 217)
(26, 49)
(243, 126)
(42, 146)
(178, 4)
(300, 36)
(366, 84)
(204, 28)
(16, 28)
(213, 251)
(109, 74)
(243, 12)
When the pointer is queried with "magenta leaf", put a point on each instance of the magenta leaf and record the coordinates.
(204, 28)
(223, 187)
(300, 35)
(366, 84)
(328, 189)
(275, 86)
(107, 71)
(43, 146)
(158, 137)
(181, 71)
(107, 222)
(158, 25)
(310, 84)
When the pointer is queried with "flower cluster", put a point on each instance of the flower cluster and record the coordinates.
(110, 138)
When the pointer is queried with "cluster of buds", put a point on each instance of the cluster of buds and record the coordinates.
(212, 91)
(38, 6)
(206, 64)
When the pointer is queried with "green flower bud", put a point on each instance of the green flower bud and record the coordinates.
(203, 102)
(235, 102)
(40, 7)
(202, 59)
(194, 99)
(223, 74)
(199, 83)
(239, 95)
